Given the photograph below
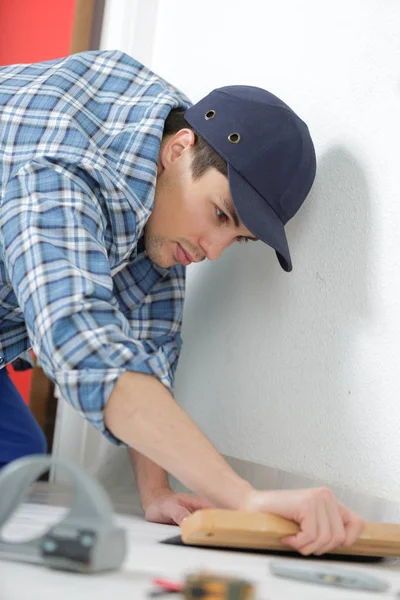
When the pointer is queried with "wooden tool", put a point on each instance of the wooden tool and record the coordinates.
(237, 529)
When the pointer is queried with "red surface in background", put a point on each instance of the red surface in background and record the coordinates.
(22, 381)
(32, 31)
(35, 30)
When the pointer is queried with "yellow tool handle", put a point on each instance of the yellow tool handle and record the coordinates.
(209, 586)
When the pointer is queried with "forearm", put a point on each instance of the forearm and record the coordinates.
(142, 413)
(151, 479)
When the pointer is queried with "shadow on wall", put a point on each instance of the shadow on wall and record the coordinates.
(329, 236)
(256, 337)
(273, 355)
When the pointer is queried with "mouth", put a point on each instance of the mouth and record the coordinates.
(182, 256)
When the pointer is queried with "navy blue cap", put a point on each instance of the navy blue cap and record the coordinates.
(269, 153)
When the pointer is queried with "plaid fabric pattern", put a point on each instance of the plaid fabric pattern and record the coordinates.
(79, 143)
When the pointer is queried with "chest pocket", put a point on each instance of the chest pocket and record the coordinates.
(150, 298)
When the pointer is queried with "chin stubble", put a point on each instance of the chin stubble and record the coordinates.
(154, 246)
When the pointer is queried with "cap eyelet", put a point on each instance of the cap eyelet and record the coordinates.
(234, 138)
(210, 114)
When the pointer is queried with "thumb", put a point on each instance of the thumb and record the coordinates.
(179, 514)
(353, 524)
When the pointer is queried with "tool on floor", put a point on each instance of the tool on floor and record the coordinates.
(165, 586)
(333, 576)
(85, 540)
(238, 529)
(206, 586)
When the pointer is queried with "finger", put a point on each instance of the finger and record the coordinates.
(353, 525)
(323, 527)
(197, 503)
(308, 530)
(179, 513)
(338, 533)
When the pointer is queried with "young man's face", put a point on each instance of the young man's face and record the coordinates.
(192, 219)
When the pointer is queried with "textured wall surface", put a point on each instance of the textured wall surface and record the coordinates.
(300, 371)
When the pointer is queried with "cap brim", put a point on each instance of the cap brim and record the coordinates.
(259, 218)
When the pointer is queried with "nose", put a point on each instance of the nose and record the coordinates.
(214, 248)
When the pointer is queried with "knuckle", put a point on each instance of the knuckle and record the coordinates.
(309, 504)
(325, 493)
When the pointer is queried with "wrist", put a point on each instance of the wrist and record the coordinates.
(150, 496)
(233, 492)
(243, 498)
(250, 501)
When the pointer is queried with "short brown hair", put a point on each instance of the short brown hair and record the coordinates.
(204, 156)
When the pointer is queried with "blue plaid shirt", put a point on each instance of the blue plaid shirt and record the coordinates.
(79, 143)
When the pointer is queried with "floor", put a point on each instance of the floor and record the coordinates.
(147, 558)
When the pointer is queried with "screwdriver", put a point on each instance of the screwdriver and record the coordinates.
(207, 586)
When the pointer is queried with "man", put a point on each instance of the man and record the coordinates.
(111, 184)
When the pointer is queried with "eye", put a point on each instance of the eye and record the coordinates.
(242, 240)
(221, 216)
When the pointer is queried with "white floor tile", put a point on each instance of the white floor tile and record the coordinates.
(148, 558)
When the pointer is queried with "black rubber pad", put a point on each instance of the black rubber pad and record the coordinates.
(177, 541)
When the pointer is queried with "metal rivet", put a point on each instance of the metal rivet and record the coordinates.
(210, 114)
(86, 540)
(234, 138)
(49, 546)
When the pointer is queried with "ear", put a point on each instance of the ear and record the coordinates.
(175, 146)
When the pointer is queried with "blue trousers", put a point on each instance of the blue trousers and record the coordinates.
(20, 434)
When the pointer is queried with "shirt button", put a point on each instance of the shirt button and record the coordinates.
(1, 360)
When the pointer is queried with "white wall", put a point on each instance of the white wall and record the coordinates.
(301, 371)
(297, 371)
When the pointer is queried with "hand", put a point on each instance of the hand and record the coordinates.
(171, 508)
(325, 523)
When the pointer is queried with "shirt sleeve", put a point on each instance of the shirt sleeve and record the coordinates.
(52, 237)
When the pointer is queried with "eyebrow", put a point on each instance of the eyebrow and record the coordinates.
(235, 218)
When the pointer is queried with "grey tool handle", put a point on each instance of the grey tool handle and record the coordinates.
(333, 576)
(85, 540)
